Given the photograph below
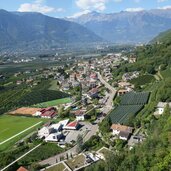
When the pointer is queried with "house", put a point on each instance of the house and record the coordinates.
(54, 137)
(57, 127)
(93, 77)
(135, 139)
(122, 91)
(72, 125)
(93, 93)
(124, 84)
(48, 112)
(80, 115)
(72, 77)
(66, 87)
(45, 131)
(132, 59)
(122, 131)
(22, 169)
(19, 82)
(124, 135)
(160, 107)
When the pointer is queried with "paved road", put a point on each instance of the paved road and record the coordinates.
(93, 128)
(73, 151)
(112, 94)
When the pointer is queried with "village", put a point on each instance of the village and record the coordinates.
(94, 94)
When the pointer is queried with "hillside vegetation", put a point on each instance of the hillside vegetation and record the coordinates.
(154, 154)
(163, 37)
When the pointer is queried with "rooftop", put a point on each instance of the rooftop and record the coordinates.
(122, 128)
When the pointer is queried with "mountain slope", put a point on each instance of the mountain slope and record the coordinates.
(37, 31)
(127, 27)
(163, 37)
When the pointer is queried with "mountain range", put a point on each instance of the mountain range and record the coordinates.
(127, 27)
(25, 31)
(35, 31)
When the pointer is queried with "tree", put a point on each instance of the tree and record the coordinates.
(79, 143)
(105, 125)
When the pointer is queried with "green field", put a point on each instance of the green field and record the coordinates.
(58, 167)
(54, 102)
(12, 125)
(142, 80)
(166, 73)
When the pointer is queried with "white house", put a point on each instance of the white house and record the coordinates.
(44, 132)
(160, 108)
(59, 126)
(54, 137)
(122, 131)
(80, 115)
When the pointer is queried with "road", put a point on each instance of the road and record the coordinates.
(93, 130)
(109, 103)
(5, 168)
(73, 150)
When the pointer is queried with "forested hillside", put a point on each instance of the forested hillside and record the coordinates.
(154, 154)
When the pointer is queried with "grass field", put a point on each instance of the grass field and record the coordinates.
(53, 85)
(76, 162)
(142, 80)
(166, 73)
(53, 102)
(58, 167)
(12, 125)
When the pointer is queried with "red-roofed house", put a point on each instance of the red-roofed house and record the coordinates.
(22, 169)
(48, 112)
(72, 125)
(93, 76)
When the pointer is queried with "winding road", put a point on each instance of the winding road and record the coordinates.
(94, 128)
(109, 104)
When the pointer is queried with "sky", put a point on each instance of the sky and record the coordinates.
(74, 8)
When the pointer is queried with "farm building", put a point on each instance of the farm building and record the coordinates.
(47, 112)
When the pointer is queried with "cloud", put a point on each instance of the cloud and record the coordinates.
(165, 7)
(161, 1)
(38, 6)
(134, 9)
(78, 14)
(99, 5)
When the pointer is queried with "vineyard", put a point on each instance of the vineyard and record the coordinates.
(40, 96)
(123, 112)
(131, 103)
(134, 98)
(26, 96)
